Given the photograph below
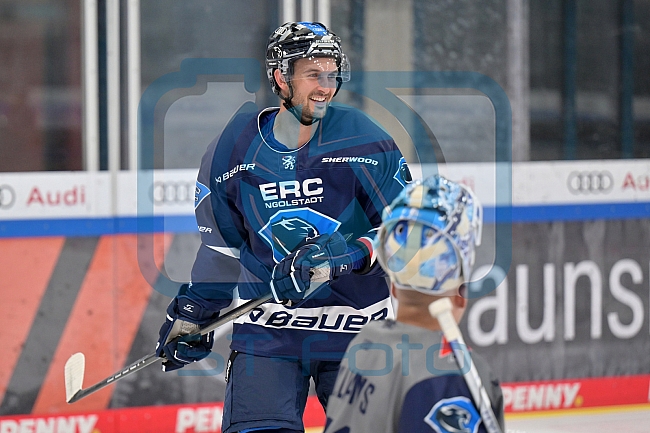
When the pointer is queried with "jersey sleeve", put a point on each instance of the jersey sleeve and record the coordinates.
(216, 269)
(383, 186)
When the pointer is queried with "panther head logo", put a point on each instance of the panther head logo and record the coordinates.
(454, 415)
(289, 232)
(455, 419)
(288, 228)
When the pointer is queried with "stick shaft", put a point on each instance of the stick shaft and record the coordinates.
(235, 313)
(152, 358)
(129, 369)
(455, 339)
(320, 276)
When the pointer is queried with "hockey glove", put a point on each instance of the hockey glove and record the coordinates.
(185, 316)
(291, 277)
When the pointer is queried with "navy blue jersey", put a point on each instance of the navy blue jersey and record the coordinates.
(398, 378)
(255, 202)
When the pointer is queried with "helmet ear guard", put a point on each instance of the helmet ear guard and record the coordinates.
(428, 236)
(345, 73)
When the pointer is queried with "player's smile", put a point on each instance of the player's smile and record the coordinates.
(314, 77)
(319, 103)
(319, 99)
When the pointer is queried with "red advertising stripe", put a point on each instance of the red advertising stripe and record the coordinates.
(27, 266)
(102, 323)
(206, 417)
(193, 418)
(576, 393)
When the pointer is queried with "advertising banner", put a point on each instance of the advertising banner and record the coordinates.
(523, 397)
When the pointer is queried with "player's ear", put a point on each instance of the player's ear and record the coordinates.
(279, 78)
(460, 300)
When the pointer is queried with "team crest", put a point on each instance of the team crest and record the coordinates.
(454, 415)
(289, 232)
(288, 228)
(200, 192)
(289, 162)
(403, 174)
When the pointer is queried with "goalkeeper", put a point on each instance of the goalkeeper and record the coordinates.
(284, 194)
(401, 376)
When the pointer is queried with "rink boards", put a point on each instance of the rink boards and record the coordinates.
(586, 397)
(565, 326)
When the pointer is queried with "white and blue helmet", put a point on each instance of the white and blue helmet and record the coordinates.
(428, 236)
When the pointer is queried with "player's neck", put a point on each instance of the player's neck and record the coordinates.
(290, 132)
(417, 316)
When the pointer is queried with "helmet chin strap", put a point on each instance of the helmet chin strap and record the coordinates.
(296, 111)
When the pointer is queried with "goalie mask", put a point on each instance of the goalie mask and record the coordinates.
(428, 236)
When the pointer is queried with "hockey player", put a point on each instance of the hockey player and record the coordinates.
(281, 192)
(400, 376)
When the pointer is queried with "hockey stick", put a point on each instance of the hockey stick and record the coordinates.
(441, 310)
(75, 365)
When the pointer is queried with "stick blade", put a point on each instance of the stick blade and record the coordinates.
(74, 375)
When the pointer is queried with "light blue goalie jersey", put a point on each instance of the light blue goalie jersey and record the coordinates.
(255, 202)
(398, 378)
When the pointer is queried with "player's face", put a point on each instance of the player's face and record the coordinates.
(314, 85)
